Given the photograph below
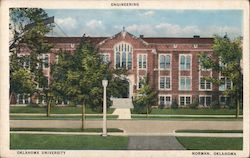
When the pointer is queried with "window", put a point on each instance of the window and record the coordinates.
(117, 59)
(23, 99)
(225, 100)
(205, 100)
(43, 83)
(123, 56)
(226, 84)
(185, 61)
(45, 60)
(142, 61)
(204, 84)
(162, 100)
(185, 83)
(164, 82)
(165, 100)
(165, 61)
(124, 59)
(105, 57)
(184, 100)
(129, 60)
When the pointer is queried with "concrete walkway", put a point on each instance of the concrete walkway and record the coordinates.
(122, 113)
(154, 143)
(132, 126)
(135, 134)
(122, 107)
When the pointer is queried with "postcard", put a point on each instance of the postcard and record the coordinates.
(124, 79)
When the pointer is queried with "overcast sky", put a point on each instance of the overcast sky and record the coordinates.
(150, 23)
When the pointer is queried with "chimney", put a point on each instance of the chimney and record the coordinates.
(141, 36)
(196, 36)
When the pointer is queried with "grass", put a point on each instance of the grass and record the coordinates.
(60, 117)
(67, 142)
(187, 118)
(54, 110)
(66, 129)
(77, 110)
(195, 111)
(214, 143)
(209, 131)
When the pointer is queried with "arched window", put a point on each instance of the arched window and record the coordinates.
(123, 55)
(117, 59)
(129, 60)
(124, 59)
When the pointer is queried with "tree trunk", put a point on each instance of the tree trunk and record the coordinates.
(147, 112)
(48, 107)
(11, 94)
(83, 116)
(237, 108)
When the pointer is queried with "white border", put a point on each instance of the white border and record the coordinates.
(170, 4)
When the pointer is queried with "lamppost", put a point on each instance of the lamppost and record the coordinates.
(104, 127)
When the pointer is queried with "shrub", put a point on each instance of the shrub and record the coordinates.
(215, 104)
(174, 104)
(140, 107)
(161, 106)
(194, 104)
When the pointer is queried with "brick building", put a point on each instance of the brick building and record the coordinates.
(171, 65)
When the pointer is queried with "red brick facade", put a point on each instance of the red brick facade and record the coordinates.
(180, 50)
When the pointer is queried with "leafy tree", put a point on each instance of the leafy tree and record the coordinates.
(79, 76)
(145, 98)
(21, 17)
(33, 38)
(226, 60)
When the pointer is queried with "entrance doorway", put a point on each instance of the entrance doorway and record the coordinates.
(122, 89)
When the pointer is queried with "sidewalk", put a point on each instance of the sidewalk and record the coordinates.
(154, 115)
(135, 134)
(154, 143)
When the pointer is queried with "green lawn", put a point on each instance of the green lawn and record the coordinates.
(60, 117)
(213, 143)
(54, 110)
(195, 111)
(185, 118)
(209, 131)
(67, 142)
(66, 129)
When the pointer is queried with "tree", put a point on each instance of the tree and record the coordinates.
(33, 38)
(226, 60)
(145, 98)
(78, 77)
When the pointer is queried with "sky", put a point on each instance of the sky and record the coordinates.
(150, 23)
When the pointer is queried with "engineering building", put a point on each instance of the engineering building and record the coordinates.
(171, 65)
